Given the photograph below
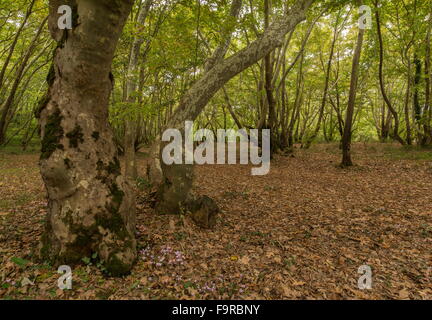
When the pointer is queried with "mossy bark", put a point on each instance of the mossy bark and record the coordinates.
(90, 204)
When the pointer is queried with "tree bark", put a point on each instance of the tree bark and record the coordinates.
(427, 108)
(416, 97)
(90, 205)
(271, 102)
(406, 105)
(297, 105)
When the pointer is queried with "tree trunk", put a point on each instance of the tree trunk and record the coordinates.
(268, 62)
(346, 139)
(406, 105)
(416, 102)
(131, 93)
(90, 206)
(427, 109)
(381, 78)
(297, 105)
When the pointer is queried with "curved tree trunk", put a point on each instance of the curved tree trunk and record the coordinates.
(347, 134)
(90, 207)
(177, 179)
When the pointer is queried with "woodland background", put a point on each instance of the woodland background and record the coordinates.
(300, 232)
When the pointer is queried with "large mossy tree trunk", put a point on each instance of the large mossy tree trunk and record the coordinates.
(90, 204)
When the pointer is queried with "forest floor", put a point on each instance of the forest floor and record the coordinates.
(301, 232)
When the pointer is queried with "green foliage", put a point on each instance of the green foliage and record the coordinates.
(20, 262)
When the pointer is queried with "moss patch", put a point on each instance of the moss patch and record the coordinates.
(42, 103)
(53, 134)
(75, 136)
(68, 163)
(95, 135)
(51, 75)
(115, 267)
(105, 171)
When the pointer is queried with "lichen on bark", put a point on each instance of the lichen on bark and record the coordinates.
(90, 207)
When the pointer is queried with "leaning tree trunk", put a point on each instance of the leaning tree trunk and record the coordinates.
(346, 138)
(177, 179)
(90, 208)
(394, 113)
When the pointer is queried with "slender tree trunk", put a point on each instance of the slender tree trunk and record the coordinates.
(381, 78)
(284, 112)
(90, 205)
(231, 110)
(427, 108)
(406, 105)
(346, 139)
(416, 102)
(269, 85)
(18, 77)
(297, 105)
(131, 94)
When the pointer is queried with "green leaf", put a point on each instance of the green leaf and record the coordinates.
(19, 261)
(188, 284)
(86, 260)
